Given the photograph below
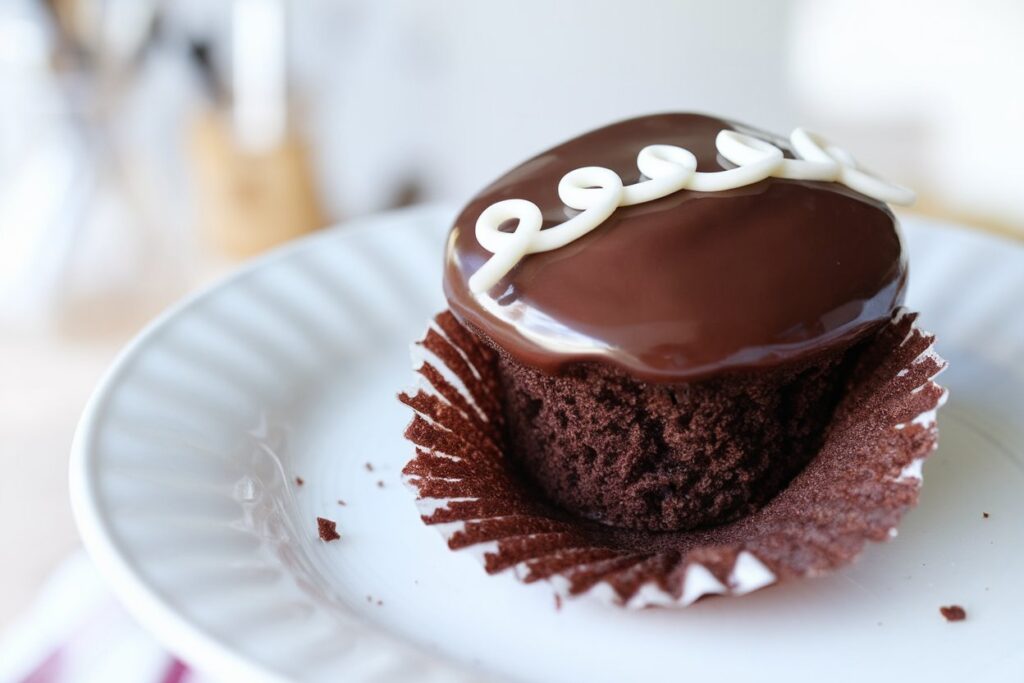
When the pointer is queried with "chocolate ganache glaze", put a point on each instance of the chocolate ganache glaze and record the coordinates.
(690, 285)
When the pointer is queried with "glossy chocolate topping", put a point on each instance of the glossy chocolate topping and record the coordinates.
(686, 286)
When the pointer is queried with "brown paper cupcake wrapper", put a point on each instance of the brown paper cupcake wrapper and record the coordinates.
(866, 475)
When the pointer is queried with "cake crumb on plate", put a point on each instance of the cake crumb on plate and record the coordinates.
(953, 613)
(328, 529)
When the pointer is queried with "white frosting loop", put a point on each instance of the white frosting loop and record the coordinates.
(813, 147)
(669, 168)
(596, 192)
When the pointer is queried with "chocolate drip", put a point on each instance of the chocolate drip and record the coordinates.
(690, 285)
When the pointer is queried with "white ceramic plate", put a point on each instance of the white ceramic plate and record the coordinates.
(183, 484)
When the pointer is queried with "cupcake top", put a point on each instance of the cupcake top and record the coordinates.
(693, 283)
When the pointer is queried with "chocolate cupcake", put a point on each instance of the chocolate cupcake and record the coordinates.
(677, 365)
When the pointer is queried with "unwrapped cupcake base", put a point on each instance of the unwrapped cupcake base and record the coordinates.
(865, 476)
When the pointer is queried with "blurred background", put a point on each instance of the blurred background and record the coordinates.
(146, 147)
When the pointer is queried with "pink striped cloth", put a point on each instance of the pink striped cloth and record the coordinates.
(75, 632)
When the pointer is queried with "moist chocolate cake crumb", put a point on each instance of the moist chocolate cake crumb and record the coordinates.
(341, 502)
(380, 484)
(327, 529)
(299, 481)
(985, 515)
(380, 602)
(953, 613)
(369, 467)
(667, 457)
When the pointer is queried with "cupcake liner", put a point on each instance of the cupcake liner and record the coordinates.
(865, 476)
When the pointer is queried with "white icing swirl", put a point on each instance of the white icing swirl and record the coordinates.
(596, 192)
